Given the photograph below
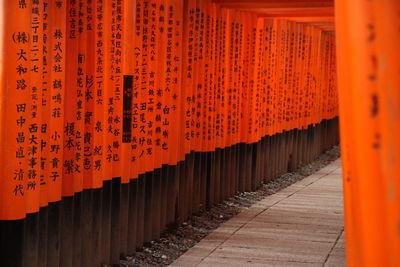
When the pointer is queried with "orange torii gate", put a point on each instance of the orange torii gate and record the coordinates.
(139, 105)
(367, 35)
(121, 117)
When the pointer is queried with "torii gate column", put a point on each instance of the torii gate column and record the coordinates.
(368, 36)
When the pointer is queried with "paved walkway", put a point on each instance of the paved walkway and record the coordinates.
(301, 225)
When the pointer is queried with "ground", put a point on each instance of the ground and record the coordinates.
(177, 241)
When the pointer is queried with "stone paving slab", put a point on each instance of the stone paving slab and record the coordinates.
(302, 225)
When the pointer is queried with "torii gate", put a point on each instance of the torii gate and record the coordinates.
(367, 36)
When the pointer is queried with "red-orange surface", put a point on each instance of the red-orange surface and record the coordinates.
(119, 88)
(368, 34)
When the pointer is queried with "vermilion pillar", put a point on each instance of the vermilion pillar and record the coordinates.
(367, 34)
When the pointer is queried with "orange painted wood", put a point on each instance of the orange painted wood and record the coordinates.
(125, 89)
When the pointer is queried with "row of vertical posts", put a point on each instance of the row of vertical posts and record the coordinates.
(103, 226)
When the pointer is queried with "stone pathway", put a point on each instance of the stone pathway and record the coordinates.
(301, 225)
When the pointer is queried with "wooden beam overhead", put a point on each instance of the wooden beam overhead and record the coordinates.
(312, 12)
(310, 19)
(274, 3)
(293, 13)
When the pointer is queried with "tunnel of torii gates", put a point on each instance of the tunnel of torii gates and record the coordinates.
(120, 118)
